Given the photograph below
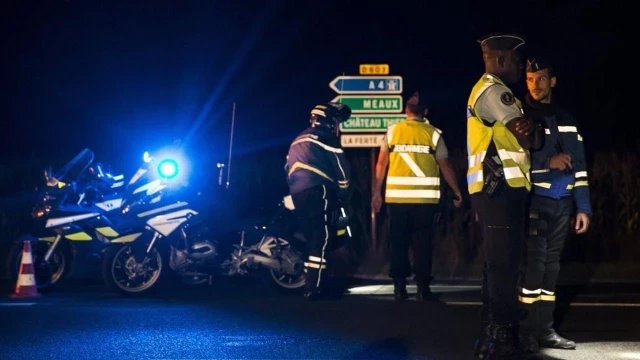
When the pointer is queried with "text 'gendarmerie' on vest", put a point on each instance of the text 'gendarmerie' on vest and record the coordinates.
(421, 149)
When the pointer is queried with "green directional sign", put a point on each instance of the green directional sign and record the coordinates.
(371, 103)
(370, 123)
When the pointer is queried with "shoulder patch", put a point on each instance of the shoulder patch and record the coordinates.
(507, 98)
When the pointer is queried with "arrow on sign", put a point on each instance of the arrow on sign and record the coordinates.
(367, 84)
(371, 103)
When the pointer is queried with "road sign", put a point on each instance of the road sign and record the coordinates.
(371, 103)
(371, 123)
(367, 85)
(374, 69)
(366, 140)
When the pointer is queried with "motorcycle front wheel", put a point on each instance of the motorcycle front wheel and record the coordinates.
(129, 269)
(46, 274)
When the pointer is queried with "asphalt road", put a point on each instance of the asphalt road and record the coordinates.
(243, 320)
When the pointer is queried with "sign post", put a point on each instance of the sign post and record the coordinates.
(376, 103)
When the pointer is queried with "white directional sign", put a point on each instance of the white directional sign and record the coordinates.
(371, 123)
(361, 140)
(376, 103)
(359, 104)
(367, 85)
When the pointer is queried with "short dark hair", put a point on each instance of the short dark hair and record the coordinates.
(416, 104)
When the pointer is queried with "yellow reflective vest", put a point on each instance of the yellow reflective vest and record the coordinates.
(413, 175)
(515, 160)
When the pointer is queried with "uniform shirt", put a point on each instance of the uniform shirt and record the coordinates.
(561, 135)
(490, 108)
(496, 104)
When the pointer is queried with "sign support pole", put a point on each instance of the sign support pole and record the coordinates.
(374, 232)
(233, 121)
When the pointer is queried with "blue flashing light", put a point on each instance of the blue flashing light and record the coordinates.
(168, 168)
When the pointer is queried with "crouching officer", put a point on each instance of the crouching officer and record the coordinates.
(318, 175)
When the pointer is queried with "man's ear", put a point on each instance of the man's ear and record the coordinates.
(501, 60)
(552, 82)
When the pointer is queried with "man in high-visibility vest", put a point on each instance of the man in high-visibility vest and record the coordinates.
(559, 175)
(499, 138)
(414, 152)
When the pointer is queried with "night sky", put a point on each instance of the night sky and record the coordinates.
(121, 78)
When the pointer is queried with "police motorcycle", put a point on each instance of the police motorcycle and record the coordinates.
(169, 233)
(69, 226)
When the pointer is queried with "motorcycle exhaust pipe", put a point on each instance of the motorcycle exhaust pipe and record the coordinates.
(251, 259)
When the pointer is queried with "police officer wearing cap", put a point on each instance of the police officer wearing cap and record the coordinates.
(559, 175)
(414, 152)
(499, 140)
(318, 175)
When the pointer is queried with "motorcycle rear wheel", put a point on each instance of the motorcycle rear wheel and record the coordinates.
(284, 281)
(286, 284)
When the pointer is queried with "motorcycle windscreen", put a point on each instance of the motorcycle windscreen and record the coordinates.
(74, 168)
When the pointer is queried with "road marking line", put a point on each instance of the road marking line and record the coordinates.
(477, 303)
(17, 304)
(388, 289)
(464, 303)
(607, 304)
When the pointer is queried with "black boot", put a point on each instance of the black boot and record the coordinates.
(424, 291)
(555, 341)
(528, 343)
(503, 345)
(312, 293)
(400, 289)
(529, 328)
(548, 337)
(481, 346)
(311, 290)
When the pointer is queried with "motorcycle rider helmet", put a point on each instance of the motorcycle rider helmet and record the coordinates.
(329, 115)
